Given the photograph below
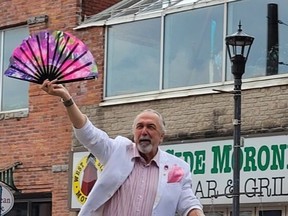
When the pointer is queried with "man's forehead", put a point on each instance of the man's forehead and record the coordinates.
(147, 116)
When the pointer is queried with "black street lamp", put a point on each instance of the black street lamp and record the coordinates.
(238, 46)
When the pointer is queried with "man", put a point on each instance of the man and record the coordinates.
(138, 178)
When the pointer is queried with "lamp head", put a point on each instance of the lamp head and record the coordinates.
(238, 47)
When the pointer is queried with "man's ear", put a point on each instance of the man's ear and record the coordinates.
(162, 137)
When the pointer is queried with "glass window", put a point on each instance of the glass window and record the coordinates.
(270, 213)
(31, 207)
(41, 208)
(19, 209)
(243, 213)
(14, 92)
(133, 60)
(264, 51)
(192, 49)
(191, 45)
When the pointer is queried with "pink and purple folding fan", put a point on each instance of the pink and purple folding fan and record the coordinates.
(52, 55)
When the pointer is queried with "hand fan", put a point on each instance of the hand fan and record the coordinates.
(52, 55)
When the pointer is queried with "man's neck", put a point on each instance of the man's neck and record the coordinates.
(148, 157)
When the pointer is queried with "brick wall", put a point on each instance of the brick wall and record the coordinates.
(90, 7)
(42, 141)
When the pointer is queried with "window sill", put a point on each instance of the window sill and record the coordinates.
(251, 83)
(14, 114)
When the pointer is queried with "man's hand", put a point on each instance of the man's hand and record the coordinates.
(52, 88)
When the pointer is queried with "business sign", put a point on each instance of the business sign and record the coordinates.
(85, 170)
(6, 199)
(263, 163)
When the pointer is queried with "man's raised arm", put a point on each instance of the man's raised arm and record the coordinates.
(77, 118)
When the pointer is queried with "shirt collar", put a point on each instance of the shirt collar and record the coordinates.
(156, 158)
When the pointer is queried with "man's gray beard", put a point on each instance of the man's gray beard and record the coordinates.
(144, 148)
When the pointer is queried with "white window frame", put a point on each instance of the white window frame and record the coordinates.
(23, 112)
(248, 83)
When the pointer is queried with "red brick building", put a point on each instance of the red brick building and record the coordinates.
(39, 136)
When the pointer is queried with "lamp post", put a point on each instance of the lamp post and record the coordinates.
(238, 47)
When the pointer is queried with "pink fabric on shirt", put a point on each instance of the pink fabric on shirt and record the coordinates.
(137, 194)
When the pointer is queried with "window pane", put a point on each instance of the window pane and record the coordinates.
(19, 209)
(41, 208)
(15, 92)
(246, 213)
(133, 60)
(193, 48)
(270, 213)
(256, 64)
(243, 213)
